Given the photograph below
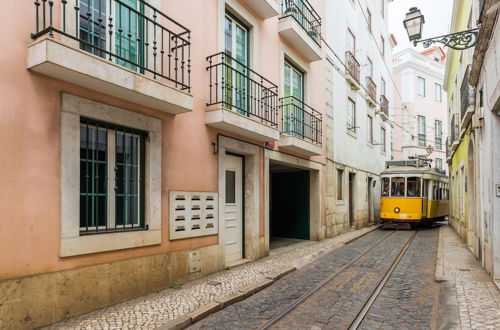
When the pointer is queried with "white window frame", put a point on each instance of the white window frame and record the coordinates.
(421, 92)
(72, 244)
(351, 115)
(438, 87)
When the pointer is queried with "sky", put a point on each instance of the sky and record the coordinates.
(437, 14)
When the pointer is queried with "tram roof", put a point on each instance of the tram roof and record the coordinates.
(413, 170)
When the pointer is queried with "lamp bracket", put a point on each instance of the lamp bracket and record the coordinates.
(458, 41)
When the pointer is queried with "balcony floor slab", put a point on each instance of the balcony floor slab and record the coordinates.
(296, 144)
(55, 59)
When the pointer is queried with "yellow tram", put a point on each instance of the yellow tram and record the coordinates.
(412, 193)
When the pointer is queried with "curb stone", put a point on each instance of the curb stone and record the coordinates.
(439, 274)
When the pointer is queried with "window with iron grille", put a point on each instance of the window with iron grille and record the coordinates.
(421, 131)
(438, 132)
(112, 175)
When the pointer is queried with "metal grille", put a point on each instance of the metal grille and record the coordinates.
(111, 178)
(131, 33)
(299, 119)
(467, 94)
(236, 87)
(305, 15)
(371, 88)
(352, 65)
(384, 105)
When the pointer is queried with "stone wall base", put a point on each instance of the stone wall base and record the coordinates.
(39, 300)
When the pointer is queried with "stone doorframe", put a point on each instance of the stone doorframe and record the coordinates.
(316, 230)
(251, 195)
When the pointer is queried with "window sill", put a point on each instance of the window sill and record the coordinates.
(351, 133)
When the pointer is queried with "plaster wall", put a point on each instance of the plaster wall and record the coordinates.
(352, 151)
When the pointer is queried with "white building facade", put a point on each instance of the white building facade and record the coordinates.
(359, 95)
(420, 111)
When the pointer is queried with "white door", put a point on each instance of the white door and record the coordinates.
(233, 222)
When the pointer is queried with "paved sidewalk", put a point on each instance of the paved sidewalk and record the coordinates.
(195, 299)
(469, 299)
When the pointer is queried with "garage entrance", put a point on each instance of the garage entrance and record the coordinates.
(289, 205)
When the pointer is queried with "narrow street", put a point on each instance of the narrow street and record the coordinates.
(349, 277)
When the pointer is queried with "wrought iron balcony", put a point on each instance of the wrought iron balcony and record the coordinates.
(234, 86)
(384, 105)
(467, 94)
(352, 66)
(305, 15)
(371, 88)
(300, 120)
(140, 38)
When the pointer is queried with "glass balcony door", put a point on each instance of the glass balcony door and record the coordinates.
(236, 73)
(293, 111)
(126, 39)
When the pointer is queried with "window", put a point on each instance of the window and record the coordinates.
(369, 18)
(383, 139)
(340, 184)
(421, 131)
(413, 189)
(438, 93)
(370, 67)
(111, 177)
(398, 187)
(293, 114)
(385, 187)
(438, 133)
(370, 129)
(382, 86)
(382, 46)
(421, 86)
(351, 42)
(439, 163)
(351, 115)
(236, 46)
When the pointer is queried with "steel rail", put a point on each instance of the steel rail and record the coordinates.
(302, 298)
(358, 320)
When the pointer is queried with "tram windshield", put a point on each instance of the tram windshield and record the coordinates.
(398, 186)
(386, 184)
(413, 189)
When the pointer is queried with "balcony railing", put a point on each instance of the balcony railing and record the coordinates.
(384, 105)
(448, 147)
(140, 38)
(352, 65)
(467, 95)
(236, 87)
(371, 88)
(299, 119)
(305, 15)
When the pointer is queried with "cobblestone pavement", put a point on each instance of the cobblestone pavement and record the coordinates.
(471, 296)
(409, 300)
(254, 311)
(156, 309)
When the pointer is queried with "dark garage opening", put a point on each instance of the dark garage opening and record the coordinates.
(289, 205)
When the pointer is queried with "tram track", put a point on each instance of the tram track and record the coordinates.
(357, 321)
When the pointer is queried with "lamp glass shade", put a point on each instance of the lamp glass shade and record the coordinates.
(413, 24)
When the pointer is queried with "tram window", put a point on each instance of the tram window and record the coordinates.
(398, 187)
(425, 191)
(385, 186)
(413, 187)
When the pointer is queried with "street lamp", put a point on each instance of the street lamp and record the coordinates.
(414, 23)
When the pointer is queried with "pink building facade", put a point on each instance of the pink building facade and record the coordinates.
(149, 143)
(420, 106)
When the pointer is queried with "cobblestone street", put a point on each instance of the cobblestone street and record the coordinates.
(382, 279)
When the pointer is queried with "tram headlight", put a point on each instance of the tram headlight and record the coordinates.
(396, 210)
